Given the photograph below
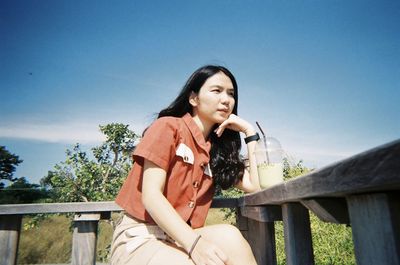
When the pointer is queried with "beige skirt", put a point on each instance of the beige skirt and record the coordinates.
(136, 243)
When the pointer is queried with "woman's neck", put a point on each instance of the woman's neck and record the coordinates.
(204, 127)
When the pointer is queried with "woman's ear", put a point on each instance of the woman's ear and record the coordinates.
(193, 99)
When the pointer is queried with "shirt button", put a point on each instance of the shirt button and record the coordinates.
(195, 184)
(185, 158)
(191, 204)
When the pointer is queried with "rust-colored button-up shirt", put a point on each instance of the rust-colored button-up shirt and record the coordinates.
(178, 146)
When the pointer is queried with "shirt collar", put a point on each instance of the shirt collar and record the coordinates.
(197, 134)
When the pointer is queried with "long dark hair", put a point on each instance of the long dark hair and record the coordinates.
(226, 166)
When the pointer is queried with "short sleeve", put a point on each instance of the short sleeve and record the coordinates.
(158, 143)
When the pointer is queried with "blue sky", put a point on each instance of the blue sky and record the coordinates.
(321, 76)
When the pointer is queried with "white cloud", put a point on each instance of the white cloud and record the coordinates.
(63, 132)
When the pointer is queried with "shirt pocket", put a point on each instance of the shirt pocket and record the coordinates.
(186, 153)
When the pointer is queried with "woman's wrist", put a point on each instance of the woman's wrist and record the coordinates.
(193, 246)
(249, 131)
(252, 138)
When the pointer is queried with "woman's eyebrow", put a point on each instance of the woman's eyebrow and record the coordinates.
(231, 90)
(221, 87)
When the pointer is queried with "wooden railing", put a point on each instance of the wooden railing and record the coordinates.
(84, 239)
(362, 191)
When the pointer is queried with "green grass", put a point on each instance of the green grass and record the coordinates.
(51, 242)
(332, 243)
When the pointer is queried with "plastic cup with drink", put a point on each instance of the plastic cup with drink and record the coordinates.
(269, 161)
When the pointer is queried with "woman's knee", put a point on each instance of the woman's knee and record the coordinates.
(231, 242)
(224, 234)
(230, 232)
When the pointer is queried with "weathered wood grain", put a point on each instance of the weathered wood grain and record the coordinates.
(10, 227)
(68, 207)
(374, 170)
(297, 234)
(375, 222)
(261, 231)
(261, 237)
(82, 207)
(84, 239)
(333, 210)
(269, 213)
(242, 223)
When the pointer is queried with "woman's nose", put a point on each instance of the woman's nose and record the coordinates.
(225, 98)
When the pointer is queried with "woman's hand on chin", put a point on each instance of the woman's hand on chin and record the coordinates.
(235, 123)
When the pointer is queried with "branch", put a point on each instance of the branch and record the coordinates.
(105, 179)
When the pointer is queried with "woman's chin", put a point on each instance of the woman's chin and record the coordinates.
(221, 118)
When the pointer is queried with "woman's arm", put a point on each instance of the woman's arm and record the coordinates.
(250, 181)
(169, 220)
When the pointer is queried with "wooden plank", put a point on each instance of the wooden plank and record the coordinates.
(297, 231)
(268, 213)
(224, 203)
(71, 207)
(10, 227)
(373, 170)
(333, 210)
(261, 237)
(84, 239)
(375, 222)
(242, 223)
(261, 231)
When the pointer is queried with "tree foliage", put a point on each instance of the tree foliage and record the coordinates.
(21, 191)
(8, 164)
(97, 176)
(292, 170)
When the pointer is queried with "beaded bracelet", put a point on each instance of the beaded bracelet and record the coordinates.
(194, 245)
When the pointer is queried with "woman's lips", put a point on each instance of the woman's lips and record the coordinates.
(223, 110)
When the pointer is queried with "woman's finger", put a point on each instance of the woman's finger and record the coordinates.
(221, 128)
(221, 256)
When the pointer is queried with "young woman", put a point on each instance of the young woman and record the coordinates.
(192, 146)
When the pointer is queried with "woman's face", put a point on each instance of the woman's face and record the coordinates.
(215, 100)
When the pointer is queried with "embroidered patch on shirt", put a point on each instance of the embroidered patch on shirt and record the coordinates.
(186, 153)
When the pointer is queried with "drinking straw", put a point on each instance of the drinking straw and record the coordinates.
(265, 140)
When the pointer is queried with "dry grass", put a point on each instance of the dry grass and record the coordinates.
(51, 241)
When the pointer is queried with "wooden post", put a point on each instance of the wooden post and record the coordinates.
(10, 227)
(84, 239)
(262, 241)
(242, 223)
(261, 231)
(375, 222)
(298, 240)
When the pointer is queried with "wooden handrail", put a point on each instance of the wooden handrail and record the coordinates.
(362, 191)
(87, 215)
(86, 207)
(375, 170)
